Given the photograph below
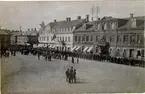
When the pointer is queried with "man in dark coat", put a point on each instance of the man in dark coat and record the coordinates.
(71, 75)
(74, 76)
(67, 73)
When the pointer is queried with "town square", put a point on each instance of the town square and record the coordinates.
(72, 52)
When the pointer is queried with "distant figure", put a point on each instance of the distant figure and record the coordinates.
(71, 75)
(72, 59)
(38, 56)
(77, 60)
(67, 73)
(74, 76)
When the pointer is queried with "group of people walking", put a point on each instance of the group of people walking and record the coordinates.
(71, 75)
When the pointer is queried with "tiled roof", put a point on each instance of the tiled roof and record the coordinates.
(66, 24)
(31, 32)
(85, 27)
(139, 23)
(2, 32)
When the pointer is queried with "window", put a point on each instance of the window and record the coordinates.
(65, 38)
(79, 38)
(75, 38)
(47, 38)
(105, 26)
(118, 38)
(96, 38)
(83, 38)
(69, 39)
(60, 39)
(99, 26)
(139, 39)
(112, 37)
(113, 26)
(132, 39)
(91, 38)
(125, 38)
(87, 38)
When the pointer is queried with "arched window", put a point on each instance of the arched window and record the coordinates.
(133, 23)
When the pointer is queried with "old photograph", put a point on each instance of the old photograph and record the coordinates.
(72, 47)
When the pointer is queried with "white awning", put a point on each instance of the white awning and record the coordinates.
(91, 48)
(73, 48)
(50, 46)
(85, 49)
(40, 45)
(53, 46)
(78, 48)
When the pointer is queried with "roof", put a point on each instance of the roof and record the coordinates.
(34, 33)
(139, 23)
(66, 24)
(2, 32)
(15, 33)
(85, 27)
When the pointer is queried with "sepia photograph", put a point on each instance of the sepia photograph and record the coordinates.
(72, 47)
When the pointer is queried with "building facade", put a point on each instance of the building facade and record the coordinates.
(59, 34)
(4, 40)
(124, 37)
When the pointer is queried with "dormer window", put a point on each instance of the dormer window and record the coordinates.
(133, 23)
(105, 26)
(113, 26)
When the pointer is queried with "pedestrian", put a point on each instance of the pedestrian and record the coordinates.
(67, 73)
(72, 59)
(38, 56)
(74, 76)
(71, 75)
(77, 60)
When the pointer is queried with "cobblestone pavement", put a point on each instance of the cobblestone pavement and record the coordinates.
(40, 77)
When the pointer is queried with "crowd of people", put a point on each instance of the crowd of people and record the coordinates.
(63, 55)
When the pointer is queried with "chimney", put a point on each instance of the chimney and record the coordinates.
(69, 18)
(98, 19)
(131, 15)
(54, 20)
(87, 18)
(28, 29)
(31, 29)
(35, 29)
(78, 17)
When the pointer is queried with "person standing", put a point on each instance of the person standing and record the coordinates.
(77, 60)
(67, 73)
(38, 56)
(74, 76)
(72, 59)
(71, 75)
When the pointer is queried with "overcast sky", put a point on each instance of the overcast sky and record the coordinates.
(31, 14)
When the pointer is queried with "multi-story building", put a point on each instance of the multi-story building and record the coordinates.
(59, 34)
(84, 38)
(14, 35)
(124, 36)
(4, 40)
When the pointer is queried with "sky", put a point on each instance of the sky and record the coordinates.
(30, 14)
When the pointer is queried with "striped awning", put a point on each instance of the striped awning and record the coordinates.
(53, 46)
(73, 48)
(90, 49)
(85, 49)
(78, 48)
(50, 46)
